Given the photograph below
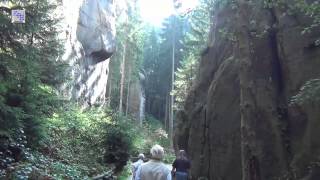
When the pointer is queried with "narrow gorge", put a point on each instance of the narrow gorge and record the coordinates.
(229, 88)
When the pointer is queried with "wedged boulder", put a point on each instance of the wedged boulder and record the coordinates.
(89, 34)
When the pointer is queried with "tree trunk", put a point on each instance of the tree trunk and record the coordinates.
(110, 90)
(166, 114)
(122, 72)
(128, 90)
(172, 88)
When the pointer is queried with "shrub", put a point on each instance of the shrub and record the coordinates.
(125, 173)
(76, 135)
(30, 68)
(118, 141)
(309, 93)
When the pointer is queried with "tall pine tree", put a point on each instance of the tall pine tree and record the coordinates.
(30, 68)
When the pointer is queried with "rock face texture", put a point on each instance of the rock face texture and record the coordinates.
(237, 122)
(137, 99)
(89, 31)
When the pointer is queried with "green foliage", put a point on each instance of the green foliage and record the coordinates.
(12, 149)
(83, 143)
(158, 62)
(29, 68)
(309, 8)
(169, 157)
(185, 76)
(124, 138)
(118, 143)
(79, 143)
(68, 142)
(312, 10)
(63, 171)
(125, 173)
(90, 137)
(143, 138)
(76, 135)
(152, 133)
(195, 40)
(42, 167)
(33, 165)
(309, 93)
(130, 34)
(153, 66)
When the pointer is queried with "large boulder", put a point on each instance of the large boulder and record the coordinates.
(257, 59)
(89, 33)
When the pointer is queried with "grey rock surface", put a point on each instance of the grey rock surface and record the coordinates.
(137, 99)
(237, 122)
(89, 34)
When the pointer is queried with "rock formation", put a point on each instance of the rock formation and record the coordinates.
(137, 99)
(257, 59)
(89, 31)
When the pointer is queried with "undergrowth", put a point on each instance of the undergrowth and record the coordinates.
(81, 144)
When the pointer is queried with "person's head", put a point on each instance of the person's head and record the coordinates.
(141, 156)
(182, 154)
(157, 152)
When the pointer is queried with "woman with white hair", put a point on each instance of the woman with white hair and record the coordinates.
(154, 169)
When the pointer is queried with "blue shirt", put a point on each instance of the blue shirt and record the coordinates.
(135, 167)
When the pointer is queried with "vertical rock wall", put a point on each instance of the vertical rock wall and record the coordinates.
(136, 104)
(237, 123)
(89, 33)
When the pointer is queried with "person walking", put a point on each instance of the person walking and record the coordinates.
(136, 165)
(181, 166)
(154, 169)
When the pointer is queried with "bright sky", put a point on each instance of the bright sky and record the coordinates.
(155, 11)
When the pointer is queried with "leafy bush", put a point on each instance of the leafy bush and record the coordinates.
(40, 167)
(118, 141)
(72, 148)
(309, 93)
(149, 134)
(153, 133)
(83, 143)
(30, 68)
(77, 135)
(125, 173)
(117, 146)
(11, 151)
(124, 138)
(90, 137)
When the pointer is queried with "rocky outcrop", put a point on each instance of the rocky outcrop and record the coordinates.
(136, 105)
(89, 32)
(256, 61)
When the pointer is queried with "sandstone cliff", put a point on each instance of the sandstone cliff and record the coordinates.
(89, 34)
(237, 122)
(136, 101)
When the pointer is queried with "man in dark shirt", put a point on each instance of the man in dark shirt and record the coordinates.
(181, 166)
